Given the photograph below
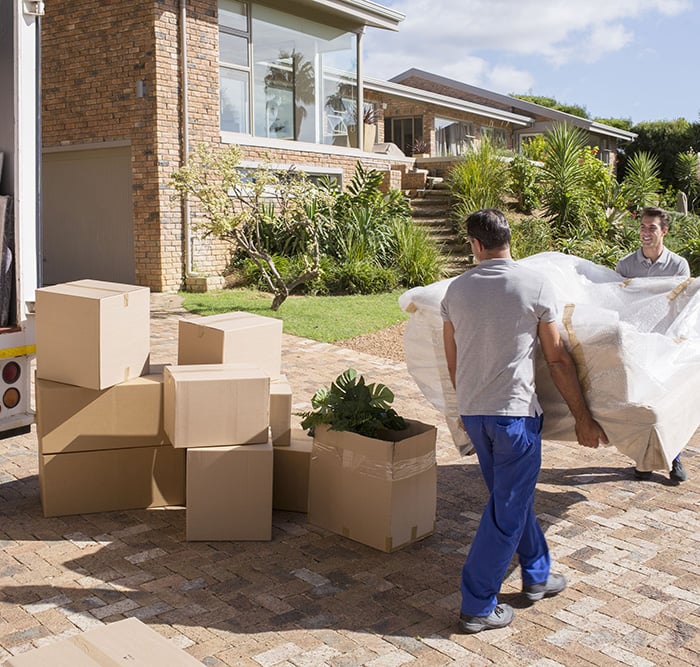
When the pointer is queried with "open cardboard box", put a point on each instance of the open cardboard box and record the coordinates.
(381, 492)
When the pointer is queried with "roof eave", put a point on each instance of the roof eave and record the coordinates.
(391, 88)
(363, 12)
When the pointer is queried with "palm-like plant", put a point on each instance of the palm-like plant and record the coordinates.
(563, 178)
(641, 183)
(686, 171)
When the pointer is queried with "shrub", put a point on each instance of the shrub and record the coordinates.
(525, 183)
(531, 236)
(361, 277)
(416, 257)
(481, 179)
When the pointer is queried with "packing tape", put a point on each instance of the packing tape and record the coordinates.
(363, 465)
(674, 293)
(20, 351)
(576, 349)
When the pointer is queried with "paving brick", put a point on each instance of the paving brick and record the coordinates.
(309, 597)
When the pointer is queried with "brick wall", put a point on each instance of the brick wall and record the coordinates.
(94, 55)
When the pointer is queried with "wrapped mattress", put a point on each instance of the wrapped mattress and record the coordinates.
(635, 342)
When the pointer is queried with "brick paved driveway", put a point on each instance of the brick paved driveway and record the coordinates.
(631, 552)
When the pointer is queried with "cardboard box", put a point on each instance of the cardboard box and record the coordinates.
(382, 493)
(229, 493)
(111, 479)
(75, 419)
(216, 404)
(129, 642)
(91, 333)
(232, 338)
(280, 411)
(290, 478)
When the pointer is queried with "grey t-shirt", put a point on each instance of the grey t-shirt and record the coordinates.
(636, 265)
(495, 309)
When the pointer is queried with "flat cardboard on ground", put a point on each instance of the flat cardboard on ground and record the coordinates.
(74, 419)
(129, 642)
(229, 493)
(91, 333)
(111, 479)
(280, 411)
(210, 405)
(382, 493)
(231, 338)
(290, 487)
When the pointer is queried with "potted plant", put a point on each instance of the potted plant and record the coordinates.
(370, 115)
(350, 404)
(420, 148)
(372, 474)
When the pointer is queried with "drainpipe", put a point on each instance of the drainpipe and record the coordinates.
(360, 92)
(185, 134)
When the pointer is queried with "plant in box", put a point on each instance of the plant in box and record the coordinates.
(372, 474)
(350, 404)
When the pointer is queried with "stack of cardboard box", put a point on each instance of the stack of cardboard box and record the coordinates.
(99, 408)
(115, 435)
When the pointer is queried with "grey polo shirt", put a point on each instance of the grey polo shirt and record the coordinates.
(636, 265)
(495, 309)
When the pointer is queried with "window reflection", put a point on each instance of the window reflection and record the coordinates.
(302, 80)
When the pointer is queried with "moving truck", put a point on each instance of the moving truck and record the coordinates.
(19, 207)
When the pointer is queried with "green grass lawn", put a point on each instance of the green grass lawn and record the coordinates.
(323, 318)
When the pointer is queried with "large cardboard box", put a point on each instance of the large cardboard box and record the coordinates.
(74, 419)
(231, 338)
(216, 404)
(290, 481)
(229, 493)
(280, 411)
(111, 479)
(382, 493)
(129, 642)
(91, 333)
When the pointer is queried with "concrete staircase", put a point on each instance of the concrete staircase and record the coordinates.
(430, 208)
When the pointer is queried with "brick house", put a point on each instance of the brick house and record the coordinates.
(449, 115)
(130, 87)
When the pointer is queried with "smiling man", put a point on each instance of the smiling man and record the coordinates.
(654, 260)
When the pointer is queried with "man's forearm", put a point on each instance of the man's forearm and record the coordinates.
(563, 373)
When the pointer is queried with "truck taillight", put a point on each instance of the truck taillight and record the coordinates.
(11, 372)
(14, 386)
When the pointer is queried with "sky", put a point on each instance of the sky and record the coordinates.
(636, 59)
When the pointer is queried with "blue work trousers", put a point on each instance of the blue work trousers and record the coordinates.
(510, 453)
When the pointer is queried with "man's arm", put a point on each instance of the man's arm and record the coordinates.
(448, 337)
(563, 371)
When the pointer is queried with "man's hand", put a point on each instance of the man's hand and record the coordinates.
(590, 433)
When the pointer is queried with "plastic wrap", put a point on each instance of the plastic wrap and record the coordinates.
(636, 344)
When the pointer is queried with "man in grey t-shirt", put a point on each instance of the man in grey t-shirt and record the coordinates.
(654, 260)
(493, 317)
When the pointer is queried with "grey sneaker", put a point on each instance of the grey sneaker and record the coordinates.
(555, 583)
(501, 616)
(678, 473)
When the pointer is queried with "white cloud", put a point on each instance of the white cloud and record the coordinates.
(459, 38)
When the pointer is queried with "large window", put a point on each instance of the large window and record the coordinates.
(295, 76)
(404, 132)
(496, 135)
(234, 66)
(452, 137)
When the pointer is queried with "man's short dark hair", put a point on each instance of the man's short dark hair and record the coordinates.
(490, 227)
(656, 212)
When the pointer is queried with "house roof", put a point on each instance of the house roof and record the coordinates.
(515, 104)
(399, 90)
(359, 12)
